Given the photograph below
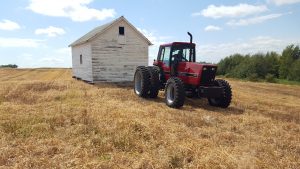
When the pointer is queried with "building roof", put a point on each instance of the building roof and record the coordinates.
(100, 29)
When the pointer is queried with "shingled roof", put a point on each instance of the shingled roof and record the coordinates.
(100, 29)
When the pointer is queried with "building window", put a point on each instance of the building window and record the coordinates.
(121, 30)
(80, 59)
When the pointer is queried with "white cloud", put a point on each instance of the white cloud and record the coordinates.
(283, 2)
(58, 57)
(51, 61)
(212, 28)
(77, 10)
(51, 31)
(48, 57)
(19, 42)
(254, 20)
(64, 51)
(156, 41)
(239, 10)
(215, 52)
(29, 55)
(9, 25)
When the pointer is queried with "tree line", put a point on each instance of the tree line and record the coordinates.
(9, 66)
(269, 66)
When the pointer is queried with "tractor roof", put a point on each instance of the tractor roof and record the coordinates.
(178, 43)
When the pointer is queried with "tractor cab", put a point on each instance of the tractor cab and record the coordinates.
(174, 59)
(176, 51)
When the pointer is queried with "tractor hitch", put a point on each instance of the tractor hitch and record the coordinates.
(210, 92)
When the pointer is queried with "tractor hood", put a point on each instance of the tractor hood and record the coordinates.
(199, 67)
(200, 73)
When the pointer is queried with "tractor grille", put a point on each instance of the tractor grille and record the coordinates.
(208, 75)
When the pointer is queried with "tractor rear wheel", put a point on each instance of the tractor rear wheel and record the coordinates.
(225, 100)
(154, 81)
(141, 81)
(174, 92)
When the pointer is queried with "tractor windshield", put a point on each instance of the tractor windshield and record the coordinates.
(183, 52)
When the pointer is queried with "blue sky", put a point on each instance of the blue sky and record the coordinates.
(36, 33)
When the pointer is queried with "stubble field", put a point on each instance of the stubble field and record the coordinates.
(49, 120)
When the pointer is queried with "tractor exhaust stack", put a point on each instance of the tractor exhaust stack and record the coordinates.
(191, 37)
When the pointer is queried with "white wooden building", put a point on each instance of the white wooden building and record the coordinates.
(109, 53)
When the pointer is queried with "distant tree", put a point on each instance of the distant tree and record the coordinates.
(289, 55)
(267, 66)
(272, 63)
(255, 65)
(295, 71)
(270, 78)
(228, 64)
(9, 66)
(244, 69)
(260, 65)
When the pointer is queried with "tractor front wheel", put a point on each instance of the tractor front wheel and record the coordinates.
(142, 81)
(174, 92)
(225, 100)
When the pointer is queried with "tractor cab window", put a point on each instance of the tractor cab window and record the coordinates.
(186, 53)
(161, 53)
(165, 55)
(183, 53)
(179, 55)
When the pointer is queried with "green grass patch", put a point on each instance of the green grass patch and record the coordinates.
(288, 82)
(269, 80)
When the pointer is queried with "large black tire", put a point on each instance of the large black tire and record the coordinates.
(174, 92)
(142, 81)
(154, 81)
(225, 100)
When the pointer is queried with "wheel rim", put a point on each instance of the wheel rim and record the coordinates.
(138, 83)
(170, 94)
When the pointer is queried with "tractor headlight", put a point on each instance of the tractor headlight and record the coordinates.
(213, 69)
(204, 68)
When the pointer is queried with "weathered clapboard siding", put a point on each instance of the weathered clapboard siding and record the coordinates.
(84, 70)
(108, 56)
(115, 61)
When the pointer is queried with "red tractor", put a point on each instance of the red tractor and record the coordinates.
(177, 72)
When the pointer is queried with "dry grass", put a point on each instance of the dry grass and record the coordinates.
(48, 120)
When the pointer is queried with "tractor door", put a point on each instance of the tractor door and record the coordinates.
(163, 61)
(179, 58)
